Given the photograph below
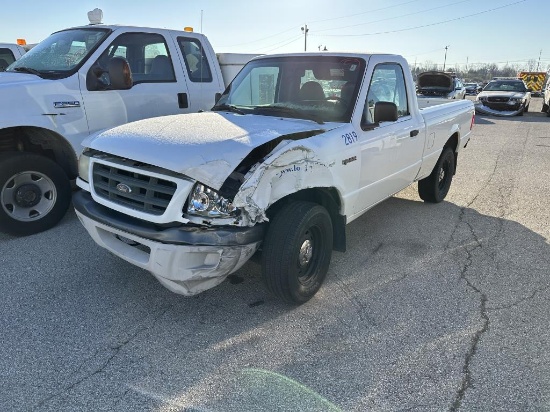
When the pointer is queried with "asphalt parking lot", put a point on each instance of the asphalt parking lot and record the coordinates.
(432, 308)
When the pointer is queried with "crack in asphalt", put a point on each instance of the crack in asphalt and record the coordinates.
(504, 195)
(503, 204)
(467, 373)
(360, 307)
(114, 351)
(519, 301)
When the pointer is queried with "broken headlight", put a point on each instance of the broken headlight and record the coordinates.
(204, 201)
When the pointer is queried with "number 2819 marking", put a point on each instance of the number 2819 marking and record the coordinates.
(349, 138)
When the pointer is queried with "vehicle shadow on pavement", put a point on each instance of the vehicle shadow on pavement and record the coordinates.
(426, 298)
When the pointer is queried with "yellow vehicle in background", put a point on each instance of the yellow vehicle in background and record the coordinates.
(534, 81)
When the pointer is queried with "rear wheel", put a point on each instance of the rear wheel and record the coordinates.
(35, 193)
(297, 250)
(434, 188)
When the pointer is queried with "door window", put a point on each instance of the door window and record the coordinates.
(146, 53)
(6, 58)
(387, 85)
(196, 62)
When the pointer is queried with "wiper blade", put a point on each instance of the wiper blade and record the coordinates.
(291, 112)
(227, 107)
(28, 70)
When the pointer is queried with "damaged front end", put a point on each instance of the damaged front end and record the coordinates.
(500, 106)
(189, 235)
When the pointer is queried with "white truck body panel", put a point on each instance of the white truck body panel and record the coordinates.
(363, 164)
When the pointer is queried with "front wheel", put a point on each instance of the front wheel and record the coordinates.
(297, 250)
(435, 187)
(35, 193)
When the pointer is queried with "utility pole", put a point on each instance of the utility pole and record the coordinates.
(538, 64)
(305, 30)
(445, 61)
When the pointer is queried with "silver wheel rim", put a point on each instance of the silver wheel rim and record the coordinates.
(28, 196)
(306, 253)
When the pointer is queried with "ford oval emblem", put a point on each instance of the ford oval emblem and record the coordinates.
(121, 187)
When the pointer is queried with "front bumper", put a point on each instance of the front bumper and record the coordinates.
(185, 259)
(502, 110)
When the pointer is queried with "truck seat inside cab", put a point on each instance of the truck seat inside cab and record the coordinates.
(161, 69)
(311, 91)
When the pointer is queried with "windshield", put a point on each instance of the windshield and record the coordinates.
(60, 54)
(319, 88)
(505, 87)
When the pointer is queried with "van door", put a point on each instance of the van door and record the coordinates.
(159, 87)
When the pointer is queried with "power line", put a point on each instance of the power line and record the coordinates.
(365, 12)
(282, 45)
(423, 26)
(393, 18)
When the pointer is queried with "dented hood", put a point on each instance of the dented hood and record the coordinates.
(206, 146)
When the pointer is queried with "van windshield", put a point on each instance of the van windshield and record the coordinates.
(61, 54)
(321, 88)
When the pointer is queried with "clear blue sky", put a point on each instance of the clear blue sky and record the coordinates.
(486, 31)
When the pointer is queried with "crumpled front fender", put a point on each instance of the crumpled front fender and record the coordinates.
(292, 169)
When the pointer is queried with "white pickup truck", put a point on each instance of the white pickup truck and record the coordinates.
(9, 53)
(82, 80)
(297, 147)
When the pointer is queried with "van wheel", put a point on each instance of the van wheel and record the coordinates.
(35, 193)
(296, 251)
(434, 188)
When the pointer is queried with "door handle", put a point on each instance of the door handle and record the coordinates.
(414, 133)
(183, 103)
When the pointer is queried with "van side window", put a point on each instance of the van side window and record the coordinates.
(387, 85)
(147, 54)
(196, 62)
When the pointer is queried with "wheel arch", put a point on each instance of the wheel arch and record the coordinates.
(330, 199)
(40, 141)
(452, 142)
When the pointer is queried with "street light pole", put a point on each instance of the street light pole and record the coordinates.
(445, 61)
(305, 30)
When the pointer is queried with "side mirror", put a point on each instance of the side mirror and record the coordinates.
(120, 74)
(385, 112)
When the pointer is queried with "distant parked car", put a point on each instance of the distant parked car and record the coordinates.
(472, 88)
(440, 84)
(504, 97)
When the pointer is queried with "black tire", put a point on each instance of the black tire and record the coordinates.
(434, 188)
(526, 109)
(548, 111)
(35, 193)
(296, 251)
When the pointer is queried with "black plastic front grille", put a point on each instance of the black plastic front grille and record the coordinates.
(496, 99)
(132, 189)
